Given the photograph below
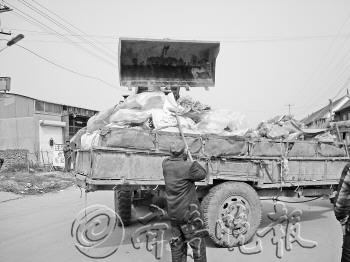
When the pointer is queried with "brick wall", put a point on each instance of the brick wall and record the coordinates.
(14, 158)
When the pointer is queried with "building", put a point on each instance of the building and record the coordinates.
(37, 126)
(322, 117)
(342, 117)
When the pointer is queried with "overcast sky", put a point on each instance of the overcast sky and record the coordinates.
(273, 52)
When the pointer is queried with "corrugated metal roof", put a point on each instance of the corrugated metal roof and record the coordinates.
(322, 113)
(49, 101)
(346, 105)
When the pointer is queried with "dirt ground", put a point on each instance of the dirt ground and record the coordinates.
(33, 183)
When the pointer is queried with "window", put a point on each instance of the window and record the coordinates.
(53, 108)
(344, 117)
(39, 106)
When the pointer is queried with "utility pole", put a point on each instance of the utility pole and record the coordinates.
(289, 106)
(3, 9)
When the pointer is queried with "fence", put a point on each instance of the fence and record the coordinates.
(21, 159)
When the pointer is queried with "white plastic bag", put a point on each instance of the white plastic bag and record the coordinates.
(171, 105)
(130, 116)
(218, 121)
(144, 101)
(100, 120)
(89, 140)
(163, 119)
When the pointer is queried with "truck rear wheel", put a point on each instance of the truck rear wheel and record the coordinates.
(122, 204)
(232, 213)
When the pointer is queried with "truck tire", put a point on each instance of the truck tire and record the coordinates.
(122, 204)
(232, 213)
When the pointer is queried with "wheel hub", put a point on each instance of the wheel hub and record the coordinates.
(233, 217)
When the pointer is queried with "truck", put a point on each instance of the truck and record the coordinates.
(240, 171)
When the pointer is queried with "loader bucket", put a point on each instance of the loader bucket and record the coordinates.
(172, 63)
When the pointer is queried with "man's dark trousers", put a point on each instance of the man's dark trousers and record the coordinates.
(346, 247)
(67, 164)
(183, 234)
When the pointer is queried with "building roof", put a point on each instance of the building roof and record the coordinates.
(346, 105)
(12, 93)
(324, 111)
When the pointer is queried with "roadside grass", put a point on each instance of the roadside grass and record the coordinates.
(26, 183)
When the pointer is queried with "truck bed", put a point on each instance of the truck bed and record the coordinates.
(267, 164)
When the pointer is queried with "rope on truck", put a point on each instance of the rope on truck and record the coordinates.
(275, 199)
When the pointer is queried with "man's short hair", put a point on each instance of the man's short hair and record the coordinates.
(177, 149)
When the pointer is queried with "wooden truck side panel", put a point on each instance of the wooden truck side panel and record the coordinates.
(114, 166)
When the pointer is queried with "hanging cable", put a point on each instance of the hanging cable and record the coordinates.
(70, 24)
(66, 68)
(35, 21)
(324, 58)
(66, 28)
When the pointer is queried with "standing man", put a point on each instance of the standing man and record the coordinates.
(342, 211)
(183, 205)
(67, 151)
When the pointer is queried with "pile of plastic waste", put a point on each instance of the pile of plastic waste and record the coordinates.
(279, 127)
(287, 128)
(157, 111)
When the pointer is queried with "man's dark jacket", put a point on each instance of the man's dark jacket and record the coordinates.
(179, 176)
(342, 201)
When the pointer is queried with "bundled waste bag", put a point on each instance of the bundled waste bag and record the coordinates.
(171, 105)
(144, 101)
(76, 139)
(277, 131)
(130, 116)
(89, 140)
(279, 127)
(127, 138)
(189, 104)
(326, 137)
(302, 148)
(100, 120)
(148, 121)
(219, 121)
(162, 119)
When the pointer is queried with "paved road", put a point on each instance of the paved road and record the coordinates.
(38, 228)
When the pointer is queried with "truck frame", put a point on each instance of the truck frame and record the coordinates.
(230, 194)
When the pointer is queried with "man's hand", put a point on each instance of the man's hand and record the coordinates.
(343, 223)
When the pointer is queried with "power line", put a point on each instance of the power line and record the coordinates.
(64, 27)
(60, 25)
(325, 55)
(36, 22)
(233, 39)
(64, 42)
(66, 68)
(70, 24)
(346, 84)
(339, 68)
